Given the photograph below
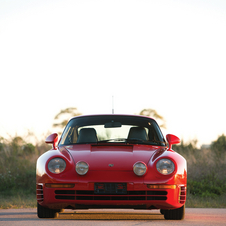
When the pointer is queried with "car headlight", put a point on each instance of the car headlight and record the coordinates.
(82, 168)
(139, 168)
(56, 165)
(165, 166)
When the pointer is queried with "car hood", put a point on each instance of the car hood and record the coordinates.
(111, 158)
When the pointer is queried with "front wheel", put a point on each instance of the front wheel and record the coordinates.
(162, 211)
(44, 212)
(176, 214)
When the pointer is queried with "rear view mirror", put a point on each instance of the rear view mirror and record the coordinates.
(52, 139)
(172, 139)
(112, 124)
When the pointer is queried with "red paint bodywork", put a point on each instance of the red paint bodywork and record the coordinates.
(111, 163)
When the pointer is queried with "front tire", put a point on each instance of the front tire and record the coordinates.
(44, 212)
(162, 211)
(176, 214)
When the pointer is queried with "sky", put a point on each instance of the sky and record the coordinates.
(166, 55)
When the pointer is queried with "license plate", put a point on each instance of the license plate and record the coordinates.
(110, 188)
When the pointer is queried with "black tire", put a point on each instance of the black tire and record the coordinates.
(176, 214)
(44, 212)
(162, 211)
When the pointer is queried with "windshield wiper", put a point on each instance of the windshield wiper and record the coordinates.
(158, 142)
(137, 140)
(132, 141)
(113, 140)
(141, 141)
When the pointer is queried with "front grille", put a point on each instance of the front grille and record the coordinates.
(67, 192)
(39, 193)
(128, 196)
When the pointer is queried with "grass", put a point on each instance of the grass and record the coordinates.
(17, 172)
(17, 201)
(206, 177)
(206, 202)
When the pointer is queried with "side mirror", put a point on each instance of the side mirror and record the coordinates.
(172, 139)
(52, 139)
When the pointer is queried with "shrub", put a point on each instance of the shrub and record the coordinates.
(219, 148)
(18, 165)
(208, 186)
(205, 167)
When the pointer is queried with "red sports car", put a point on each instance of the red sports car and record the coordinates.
(111, 161)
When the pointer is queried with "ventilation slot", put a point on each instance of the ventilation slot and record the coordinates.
(39, 193)
(182, 195)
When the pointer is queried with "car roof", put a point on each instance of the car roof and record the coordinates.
(129, 115)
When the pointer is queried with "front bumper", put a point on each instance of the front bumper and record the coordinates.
(126, 195)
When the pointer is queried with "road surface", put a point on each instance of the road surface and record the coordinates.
(193, 217)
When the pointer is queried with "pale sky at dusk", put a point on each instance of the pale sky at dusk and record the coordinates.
(165, 55)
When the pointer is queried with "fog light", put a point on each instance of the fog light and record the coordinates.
(139, 168)
(82, 168)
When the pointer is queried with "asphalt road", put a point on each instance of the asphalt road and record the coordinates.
(193, 217)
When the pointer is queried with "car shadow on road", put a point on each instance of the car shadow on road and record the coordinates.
(110, 216)
(76, 215)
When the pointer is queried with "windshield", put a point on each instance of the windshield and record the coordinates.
(112, 129)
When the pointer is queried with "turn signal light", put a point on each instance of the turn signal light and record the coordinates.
(161, 186)
(60, 185)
